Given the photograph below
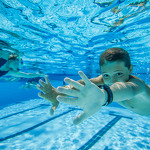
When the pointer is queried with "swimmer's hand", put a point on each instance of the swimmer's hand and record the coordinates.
(89, 97)
(49, 93)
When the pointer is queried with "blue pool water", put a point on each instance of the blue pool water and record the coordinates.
(60, 38)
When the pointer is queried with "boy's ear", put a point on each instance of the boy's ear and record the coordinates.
(131, 69)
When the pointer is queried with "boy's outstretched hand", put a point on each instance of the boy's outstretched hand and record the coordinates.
(89, 97)
(49, 93)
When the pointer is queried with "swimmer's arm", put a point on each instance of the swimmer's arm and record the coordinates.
(4, 54)
(24, 75)
(126, 90)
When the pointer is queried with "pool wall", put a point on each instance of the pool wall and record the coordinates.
(11, 92)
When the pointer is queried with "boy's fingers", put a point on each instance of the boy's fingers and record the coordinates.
(52, 110)
(40, 87)
(47, 81)
(70, 92)
(67, 100)
(75, 84)
(80, 118)
(42, 83)
(84, 78)
(42, 95)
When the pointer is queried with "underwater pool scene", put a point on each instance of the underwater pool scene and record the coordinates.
(58, 38)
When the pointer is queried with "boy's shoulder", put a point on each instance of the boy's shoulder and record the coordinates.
(137, 81)
(135, 78)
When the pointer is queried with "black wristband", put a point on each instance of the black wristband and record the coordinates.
(109, 92)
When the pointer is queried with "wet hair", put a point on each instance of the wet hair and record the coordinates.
(115, 54)
(13, 57)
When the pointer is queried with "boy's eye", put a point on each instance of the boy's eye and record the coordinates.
(119, 74)
(105, 75)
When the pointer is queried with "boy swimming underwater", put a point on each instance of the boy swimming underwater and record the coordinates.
(115, 84)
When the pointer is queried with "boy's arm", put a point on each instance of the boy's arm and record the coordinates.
(24, 75)
(127, 90)
(90, 98)
(121, 90)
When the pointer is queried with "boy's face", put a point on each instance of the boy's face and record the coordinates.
(115, 72)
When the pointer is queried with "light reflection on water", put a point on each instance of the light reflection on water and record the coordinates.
(57, 35)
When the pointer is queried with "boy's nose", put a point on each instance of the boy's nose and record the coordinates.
(113, 80)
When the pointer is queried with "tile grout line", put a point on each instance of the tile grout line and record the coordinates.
(101, 132)
(33, 127)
